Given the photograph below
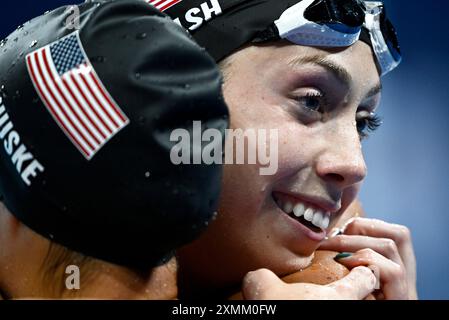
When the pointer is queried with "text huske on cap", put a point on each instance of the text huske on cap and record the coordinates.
(26, 165)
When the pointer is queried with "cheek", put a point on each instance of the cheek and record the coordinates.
(350, 194)
(297, 148)
(243, 186)
(242, 192)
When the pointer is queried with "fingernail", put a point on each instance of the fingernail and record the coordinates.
(336, 232)
(342, 255)
(376, 273)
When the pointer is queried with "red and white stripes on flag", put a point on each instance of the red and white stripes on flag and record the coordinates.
(74, 95)
(163, 5)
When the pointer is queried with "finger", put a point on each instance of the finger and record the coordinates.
(378, 229)
(381, 229)
(344, 243)
(357, 285)
(399, 234)
(392, 275)
(257, 283)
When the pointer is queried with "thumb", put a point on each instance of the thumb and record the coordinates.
(357, 285)
(257, 284)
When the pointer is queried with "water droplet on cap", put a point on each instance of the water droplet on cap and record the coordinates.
(3, 90)
(141, 36)
(33, 43)
(147, 174)
(99, 59)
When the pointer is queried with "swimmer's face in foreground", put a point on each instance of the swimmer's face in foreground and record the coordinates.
(321, 101)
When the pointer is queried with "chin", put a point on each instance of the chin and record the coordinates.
(288, 263)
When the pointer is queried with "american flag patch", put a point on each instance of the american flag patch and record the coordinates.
(74, 95)
(163, 5)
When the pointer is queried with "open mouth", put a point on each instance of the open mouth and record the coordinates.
(311, 217)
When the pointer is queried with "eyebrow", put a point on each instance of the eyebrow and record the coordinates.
(338, 71)
(375, 90)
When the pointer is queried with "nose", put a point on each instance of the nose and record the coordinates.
(341, 162)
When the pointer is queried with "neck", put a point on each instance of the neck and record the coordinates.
(113, 282)
(100, 281)
(201, 277)
(29, 269)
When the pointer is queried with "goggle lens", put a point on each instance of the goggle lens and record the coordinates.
(350, 13)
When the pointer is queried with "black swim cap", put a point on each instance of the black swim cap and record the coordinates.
(223, 26)
(85, 123)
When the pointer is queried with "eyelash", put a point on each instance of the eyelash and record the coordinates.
(372, 122)
(322, 102)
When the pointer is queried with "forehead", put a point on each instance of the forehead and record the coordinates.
(357, 61)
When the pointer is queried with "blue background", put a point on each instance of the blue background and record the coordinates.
(408, 158)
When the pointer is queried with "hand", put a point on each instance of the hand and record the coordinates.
(265, 285)
(387, 246)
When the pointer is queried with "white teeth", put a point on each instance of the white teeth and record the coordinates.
(308, 215)
(288, 207)
(299, 209)
(325, 222)
(317, 218)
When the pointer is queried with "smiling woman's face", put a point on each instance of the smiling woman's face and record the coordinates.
(321, 103)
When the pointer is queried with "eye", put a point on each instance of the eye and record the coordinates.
(311, 100)
(366, 123)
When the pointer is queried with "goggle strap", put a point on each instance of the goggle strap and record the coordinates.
(385, 59)
(269, 34)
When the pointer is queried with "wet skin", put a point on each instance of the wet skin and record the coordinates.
(317, 99)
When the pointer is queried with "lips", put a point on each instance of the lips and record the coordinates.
(311, 216)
